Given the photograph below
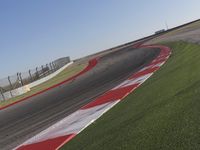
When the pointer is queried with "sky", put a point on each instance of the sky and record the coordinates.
(36, 32)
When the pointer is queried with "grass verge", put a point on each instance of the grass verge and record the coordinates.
(65, 74)
(164, 113)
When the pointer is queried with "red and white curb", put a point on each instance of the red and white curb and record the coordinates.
(60, 133)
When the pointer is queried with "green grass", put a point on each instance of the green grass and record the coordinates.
(164, 113)
(65, 74)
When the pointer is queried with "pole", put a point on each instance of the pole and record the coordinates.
(166, 25)
(30, 75)
(11, 86)
(51, 67)
(48, 69)
(37, 74)
(20, 77)
(1, 90)
(42, 70)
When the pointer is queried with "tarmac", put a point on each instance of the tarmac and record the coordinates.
(27, 118)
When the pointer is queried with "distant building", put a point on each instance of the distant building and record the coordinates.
(61, 62)
(160, 31)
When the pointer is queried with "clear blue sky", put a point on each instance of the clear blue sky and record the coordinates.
(34, 32)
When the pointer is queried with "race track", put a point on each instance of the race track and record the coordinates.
(25, 119)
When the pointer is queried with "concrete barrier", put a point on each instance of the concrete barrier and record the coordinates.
(40, 81)
(27, 88)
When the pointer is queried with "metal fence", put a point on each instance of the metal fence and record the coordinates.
(23, 78)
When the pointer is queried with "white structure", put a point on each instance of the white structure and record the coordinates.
(27, 88)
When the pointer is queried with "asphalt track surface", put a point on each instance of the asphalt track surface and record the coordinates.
(25, 119)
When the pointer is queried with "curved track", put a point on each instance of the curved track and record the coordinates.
(23, 120)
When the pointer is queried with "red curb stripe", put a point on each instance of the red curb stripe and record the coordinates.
(50, 144)
(112, 95)
(144, 72)
(157, 62)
